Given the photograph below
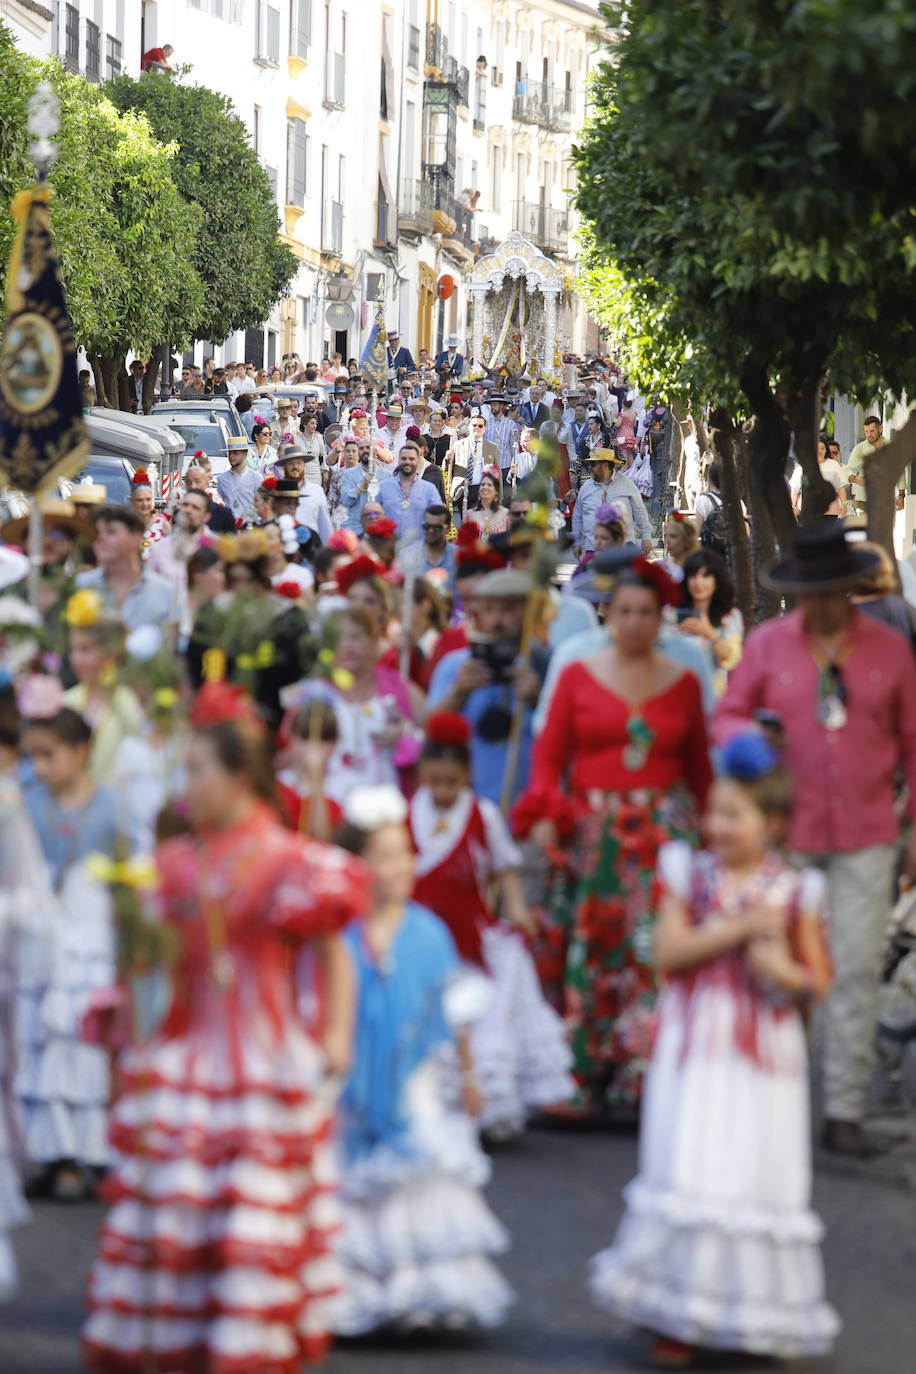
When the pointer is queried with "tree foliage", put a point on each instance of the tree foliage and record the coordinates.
(748, 169)
(237, 254)
(123, 231)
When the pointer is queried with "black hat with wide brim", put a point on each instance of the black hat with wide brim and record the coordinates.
(823, 559)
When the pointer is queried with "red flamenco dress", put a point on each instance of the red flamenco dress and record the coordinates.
(618, 781)
(216, 1253)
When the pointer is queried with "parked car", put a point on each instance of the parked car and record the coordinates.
(141, 439)
(201, 428)
(106, 470)
(216, 407)
(299, 390)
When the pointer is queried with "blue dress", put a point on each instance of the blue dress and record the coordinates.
(62, 1085)
(417, 1232)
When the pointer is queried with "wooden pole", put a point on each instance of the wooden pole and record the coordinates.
(35, 558)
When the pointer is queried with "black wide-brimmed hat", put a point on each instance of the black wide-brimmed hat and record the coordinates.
(823, 559)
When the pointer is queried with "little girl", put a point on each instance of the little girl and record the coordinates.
(64, 1095)
(718, 1246)
(112, 710)
(313, 736)
(518, 1044)
(416, 1232)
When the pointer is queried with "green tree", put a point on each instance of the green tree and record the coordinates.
(749, 164)
(237, 253)
(123, 231)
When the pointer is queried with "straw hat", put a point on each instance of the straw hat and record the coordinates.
(55, 515)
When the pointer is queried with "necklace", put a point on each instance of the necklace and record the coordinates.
(832, 693)
(640, 738)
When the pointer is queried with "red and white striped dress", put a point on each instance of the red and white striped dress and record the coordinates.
(216, 1253)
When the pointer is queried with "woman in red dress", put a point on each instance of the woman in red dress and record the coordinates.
(215, 1255)
(622, 766)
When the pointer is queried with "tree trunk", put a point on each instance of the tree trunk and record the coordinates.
(763, 541)
(149, 385)
(725, 439)
(804, 417)
(768, 448)
(108, 366)
(883, 471)
(676, 458)
(101, 389)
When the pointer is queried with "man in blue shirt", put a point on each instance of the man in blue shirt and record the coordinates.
(405, 497)
(480, 685)
(437, 551)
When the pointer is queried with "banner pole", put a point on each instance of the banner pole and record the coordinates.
(35, 558)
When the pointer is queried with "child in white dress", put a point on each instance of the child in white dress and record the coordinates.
(718, 1246)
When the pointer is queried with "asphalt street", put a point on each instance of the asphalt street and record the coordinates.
(559, 1194)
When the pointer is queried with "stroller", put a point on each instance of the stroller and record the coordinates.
(897, 1015)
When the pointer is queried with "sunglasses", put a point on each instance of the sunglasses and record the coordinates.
(432, 529)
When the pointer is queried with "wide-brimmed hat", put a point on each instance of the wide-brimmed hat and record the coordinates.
(823, 559)
(604, 455)
(286, 487)
(394, 410)
(89, 493)
(55, 515)
(418, 404)
(236, 441)
(506, 583)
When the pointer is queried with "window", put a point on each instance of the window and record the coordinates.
(496, 188)
(112, 57)
(297, 161)
(300, 27)
(413, 47)
(256, 125)
(267, 34)
(568, 94)
(480, 101)
(71, 37)
(93, 50)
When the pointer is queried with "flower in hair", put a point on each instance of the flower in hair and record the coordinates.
(288, 589)
(468, 535)
(219, 702)
(747, 757)
(413, 432)
(259, 420)
(269, 484)
(369, 808)
(343, 541)
(140, 478)
(608, 513)
(358, 571)
(381, 529)
(446, 727)
(654, 575)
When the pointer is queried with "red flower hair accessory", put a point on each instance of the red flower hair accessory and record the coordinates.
(199, 453)
(359, 570)
(662, 583)
(343, 541)
(219, 702)
(413, 432)
(678, 517)
(289, 589)
(382, 529)
(357, 414)
(468, 535)
(269, 484)
(140, 478)
(480, 558)
(446, 727)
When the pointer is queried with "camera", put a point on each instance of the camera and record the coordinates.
(497, 654)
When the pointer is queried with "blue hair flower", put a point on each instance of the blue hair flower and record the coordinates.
(747, 757)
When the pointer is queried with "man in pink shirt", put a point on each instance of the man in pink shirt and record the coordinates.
(842, 690)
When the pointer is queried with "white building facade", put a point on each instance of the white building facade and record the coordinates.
(403, 139)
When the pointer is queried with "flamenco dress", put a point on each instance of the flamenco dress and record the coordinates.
(62, 1083)
(618, 781)
(417, 1233)
(216, 1253)
(718, 1246)
(521, 1059)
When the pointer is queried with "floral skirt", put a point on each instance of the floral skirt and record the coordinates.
(596, 955)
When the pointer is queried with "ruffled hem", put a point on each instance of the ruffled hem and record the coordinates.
(172, 1295)
(58, 1130)
(719, 1276)
(122, 1345)
(448, 1294)
(432, 1219)
(683, 1212)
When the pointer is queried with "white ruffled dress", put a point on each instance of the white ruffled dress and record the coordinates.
(718, 1246)
(418, 1235)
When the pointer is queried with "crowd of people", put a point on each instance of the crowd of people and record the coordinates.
(340, 837)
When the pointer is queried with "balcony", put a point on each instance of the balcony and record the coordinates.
(415, 209)
(543, 226)
(335, 81)
(436, 49)
(546, 106)
(332, 228)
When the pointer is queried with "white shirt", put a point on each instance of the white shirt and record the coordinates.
(395, 442)
(313, 512)
(294, 572)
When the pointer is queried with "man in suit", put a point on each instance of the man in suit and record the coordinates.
(471, 456)
(450, 357)
(399, 358)
(335, 408)
(534, 411)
